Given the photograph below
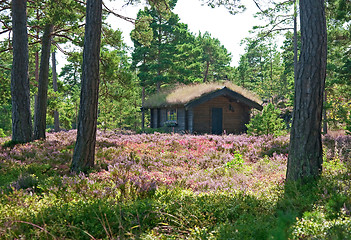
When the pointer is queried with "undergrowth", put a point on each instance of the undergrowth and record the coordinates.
(163, 186)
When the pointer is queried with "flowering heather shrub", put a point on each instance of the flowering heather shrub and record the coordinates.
(163, 184)
(196, 162)
(338, 147)
(200, 163)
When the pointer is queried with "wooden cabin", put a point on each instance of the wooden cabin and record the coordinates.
(213, 108)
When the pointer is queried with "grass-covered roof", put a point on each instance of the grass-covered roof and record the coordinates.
(185, 94)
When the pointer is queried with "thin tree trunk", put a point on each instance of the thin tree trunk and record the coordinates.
(84, 150)
(37, 55)
(295, 40)
(37, 63)
(41, 103)
(305, 155)
(36, 73)
(271, 77)
(54, 83)
(21, 115)
(158, 82)
(325, 124)
(206, 71)
(158, 86)
(142, 109)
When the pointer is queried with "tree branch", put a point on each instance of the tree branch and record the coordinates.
(65, 36)
(258, 5)
(10, 48)
(67, 29)
(5, 31)
(128, 19)
(60, 49)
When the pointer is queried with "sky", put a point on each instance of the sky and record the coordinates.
(229, 29)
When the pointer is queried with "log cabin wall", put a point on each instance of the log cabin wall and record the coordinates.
(159, 117)
(235, 116)
(190, 119)
(163, 117)
(199, 118)
(181, 117)
(153, 115)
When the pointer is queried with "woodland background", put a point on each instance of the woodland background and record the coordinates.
(171, 186)
(165, 54)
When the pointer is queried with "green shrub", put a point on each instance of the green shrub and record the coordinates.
(237, 161)
(2, 133)
(267, 122)
(348, 125)
(316, 225)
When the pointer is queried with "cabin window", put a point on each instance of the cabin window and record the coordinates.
(171, 118)
(172, 115)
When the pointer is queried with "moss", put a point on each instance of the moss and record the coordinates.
(186, 93)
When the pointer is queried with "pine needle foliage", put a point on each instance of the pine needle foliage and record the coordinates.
(267, 123)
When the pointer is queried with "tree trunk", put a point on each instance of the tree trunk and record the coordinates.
(295, 40)
(158, 82)
(325, 123)
(158, 86)
(54, 83)
(21, 115)
(84, 150)
(206, 71)
(305, 155)
(41, 103)
(37, 53)
(142, 108)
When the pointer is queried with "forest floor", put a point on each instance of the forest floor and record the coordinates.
(171, 186)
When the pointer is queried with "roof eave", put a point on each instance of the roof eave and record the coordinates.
(223, 92)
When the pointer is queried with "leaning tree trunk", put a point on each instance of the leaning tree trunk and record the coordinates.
(84, 150)
(21, 115)
(54, 83)
(42, 98)
(305, 155)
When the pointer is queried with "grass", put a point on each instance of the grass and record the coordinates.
(170, 186)
(185, 94)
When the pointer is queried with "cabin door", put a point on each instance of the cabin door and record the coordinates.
(217, 119)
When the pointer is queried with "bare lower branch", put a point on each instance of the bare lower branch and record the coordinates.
(128, 19)
(60, 49)
(258, 5)
(5, 31)
(10, 48)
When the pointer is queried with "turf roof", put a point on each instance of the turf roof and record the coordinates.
(185, 94)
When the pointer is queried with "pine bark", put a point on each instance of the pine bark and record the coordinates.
(84, 150)
(305, 155)
(42, 98)
(143, 110)
(55, 87)
(20, 93)
(295, 40)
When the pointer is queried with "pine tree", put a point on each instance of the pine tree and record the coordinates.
(21, 114)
